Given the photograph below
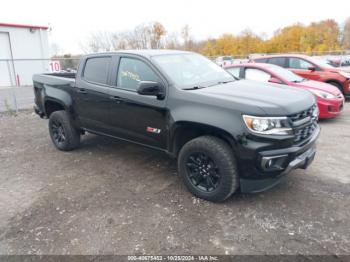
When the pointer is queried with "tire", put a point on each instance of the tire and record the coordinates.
(337, 85)
(219, 164)
(60, 124)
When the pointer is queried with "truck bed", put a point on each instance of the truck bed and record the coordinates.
(54, 78)
(53, 85)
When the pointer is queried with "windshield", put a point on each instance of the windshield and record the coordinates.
(285, 74)
(321, 62)
(190, 69)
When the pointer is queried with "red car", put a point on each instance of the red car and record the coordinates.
(330, 100)
(311, 68)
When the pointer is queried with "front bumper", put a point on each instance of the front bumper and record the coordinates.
(330, 108)
(294, 157)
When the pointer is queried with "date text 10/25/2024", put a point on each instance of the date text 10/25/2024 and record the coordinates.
(173, 258)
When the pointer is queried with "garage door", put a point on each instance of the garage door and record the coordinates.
(6, 74)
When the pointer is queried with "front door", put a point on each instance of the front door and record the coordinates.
(302, 67)
(135, 117)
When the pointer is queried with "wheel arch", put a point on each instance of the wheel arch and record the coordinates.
(184, 131)
(51, 105)
(339, 84)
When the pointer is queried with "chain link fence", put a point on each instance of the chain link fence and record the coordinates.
(16, 79)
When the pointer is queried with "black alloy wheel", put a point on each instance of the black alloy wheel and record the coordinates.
(58, 133)
(202, 172)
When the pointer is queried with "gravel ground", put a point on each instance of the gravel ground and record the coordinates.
(110, 197)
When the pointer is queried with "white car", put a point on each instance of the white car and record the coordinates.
(224, 61)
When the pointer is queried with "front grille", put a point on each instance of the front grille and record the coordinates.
(303, 114)
(304, 133)
(304, 124)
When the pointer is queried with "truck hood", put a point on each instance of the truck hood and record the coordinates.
(272, 99)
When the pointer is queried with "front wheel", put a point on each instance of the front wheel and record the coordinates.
(62, 132)
(208, 168)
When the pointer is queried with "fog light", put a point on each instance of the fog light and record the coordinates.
(270, 163)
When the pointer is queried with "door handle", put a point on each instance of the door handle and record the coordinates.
(82, 91)
(117, 99)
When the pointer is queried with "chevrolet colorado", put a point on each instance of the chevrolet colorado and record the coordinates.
(225, 133)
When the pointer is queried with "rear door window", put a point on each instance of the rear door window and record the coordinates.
(298, 63)
(96, 70)
(280, 61)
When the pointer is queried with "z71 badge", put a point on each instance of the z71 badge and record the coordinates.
(153, 130)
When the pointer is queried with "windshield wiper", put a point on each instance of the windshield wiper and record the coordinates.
(299, 81)
(223, 82)
(194, 88)
(217, 83)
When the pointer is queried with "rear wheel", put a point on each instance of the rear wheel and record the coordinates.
(62, 132)
(208, 168)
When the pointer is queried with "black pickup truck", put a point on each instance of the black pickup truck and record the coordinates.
(225, 133)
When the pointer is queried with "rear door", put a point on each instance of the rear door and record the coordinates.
(142, 119)
(92, 99)
(302, 67)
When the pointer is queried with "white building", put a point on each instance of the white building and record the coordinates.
(24, 51)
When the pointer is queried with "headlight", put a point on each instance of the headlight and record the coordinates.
(322, 94)
(345, 74)
(268, 125)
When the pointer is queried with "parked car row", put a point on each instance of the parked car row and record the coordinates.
(301, 72)
(311, 68)
(337, 61)
(224, 61)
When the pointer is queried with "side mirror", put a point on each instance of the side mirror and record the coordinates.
(150, 88)
(312, 68)
(275, 80)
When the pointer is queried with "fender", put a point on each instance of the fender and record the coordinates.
(183, 131)
(55, 89)
(58, 95)
(209, 116)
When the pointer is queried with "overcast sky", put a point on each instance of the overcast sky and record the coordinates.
(72, 21)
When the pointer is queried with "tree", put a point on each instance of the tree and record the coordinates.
(319, 36)
(100, 41)
(172, 41)
(346, 34)
(188, 42)
(157, 32)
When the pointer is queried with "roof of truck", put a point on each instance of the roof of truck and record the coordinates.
(145, 52)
